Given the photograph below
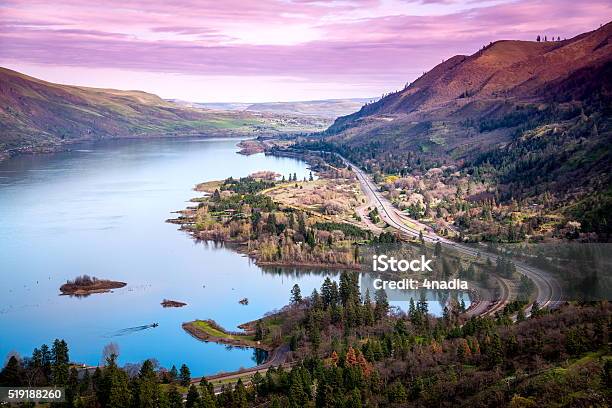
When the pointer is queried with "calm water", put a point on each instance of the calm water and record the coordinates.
(100, 210)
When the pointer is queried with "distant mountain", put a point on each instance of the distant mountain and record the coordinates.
(226, 106)
(325, 108)
(36, 115)
(328, 108)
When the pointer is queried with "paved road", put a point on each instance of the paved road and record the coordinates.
(549, 290)
(277, 358)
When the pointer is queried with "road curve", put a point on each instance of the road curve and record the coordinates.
(548, 288)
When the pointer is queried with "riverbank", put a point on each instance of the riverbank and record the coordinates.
(209, 330)
(75, 144)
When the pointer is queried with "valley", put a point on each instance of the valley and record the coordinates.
(41, 117)
(444, 245)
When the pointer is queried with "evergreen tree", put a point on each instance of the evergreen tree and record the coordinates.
(114, 390)
(72, 387)
(535, 309)
(382, 304)
(291, 220)
(315, 300)
(173, 373)
(147, 387)
(175, 398)
(327, 293)
(296, 295)
(259, 331)
(239, 396)
(185, 376)
(271, 224)
(207, 396)
(275, 402)
(368, 313)
(193, 397)
(12, 374)
(438, 249)
(59, 364)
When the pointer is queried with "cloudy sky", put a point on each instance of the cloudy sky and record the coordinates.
(267, 50)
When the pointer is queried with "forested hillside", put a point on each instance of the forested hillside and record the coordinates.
(517, 125)
(351, 352)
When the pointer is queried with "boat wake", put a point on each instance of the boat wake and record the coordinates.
(131, 330)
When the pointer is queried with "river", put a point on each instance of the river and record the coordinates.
(99, 209)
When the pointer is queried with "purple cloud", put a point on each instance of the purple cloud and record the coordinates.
(360, 41)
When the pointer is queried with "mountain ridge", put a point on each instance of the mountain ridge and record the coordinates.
(512, 141)
(504, 69)
(326, 108)
(41, 116)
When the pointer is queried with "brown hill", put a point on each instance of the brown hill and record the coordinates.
(530, 122)
(36, 115)
(501, 73)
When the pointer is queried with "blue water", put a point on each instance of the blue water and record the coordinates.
(100, 210)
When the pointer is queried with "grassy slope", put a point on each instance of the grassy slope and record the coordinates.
(37, 115)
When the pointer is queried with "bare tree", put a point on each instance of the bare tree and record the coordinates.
(109, 350)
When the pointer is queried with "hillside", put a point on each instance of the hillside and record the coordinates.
(502, 72)
(517, 124)
(41, 116)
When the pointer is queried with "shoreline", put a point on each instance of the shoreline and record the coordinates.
(241, 247)
(209, 331)
(68, 146)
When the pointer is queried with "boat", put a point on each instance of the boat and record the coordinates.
(155, 325)
(244, 301)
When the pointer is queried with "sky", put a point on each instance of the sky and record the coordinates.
(267, 50)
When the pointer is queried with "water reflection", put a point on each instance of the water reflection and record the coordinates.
(102, 212)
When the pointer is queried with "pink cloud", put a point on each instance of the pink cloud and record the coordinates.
(311, 40)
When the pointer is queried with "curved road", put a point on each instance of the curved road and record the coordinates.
(549, 290)
(275, 359)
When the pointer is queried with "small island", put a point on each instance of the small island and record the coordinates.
(172, 303)
(85, 285)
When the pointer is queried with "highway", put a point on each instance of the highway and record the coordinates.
(548, 289)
